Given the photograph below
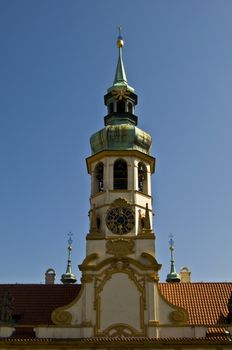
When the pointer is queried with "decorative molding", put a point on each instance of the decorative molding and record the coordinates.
(152, 260)
(178, 316)
(103, 237)
(139, 265)
(131, 204)
(86, 278)
(121, 330)
(95, 236)
(88, 259)
(120, 247)
(86, 324)
(153, 278)
(119, 266)
(119, 202)
(61, 317)
(153, 323)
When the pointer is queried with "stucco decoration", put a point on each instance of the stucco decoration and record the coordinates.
(61, 317)
(120, 247)
(119, 202)
(120, 330)
(178, 316)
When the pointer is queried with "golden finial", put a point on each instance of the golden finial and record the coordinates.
(120, 42)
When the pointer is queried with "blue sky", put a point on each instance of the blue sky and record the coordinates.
(57, 60)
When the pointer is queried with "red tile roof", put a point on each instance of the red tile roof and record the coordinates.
(34, 303)
(206, 303)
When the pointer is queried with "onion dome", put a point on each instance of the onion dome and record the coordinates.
(121, 137)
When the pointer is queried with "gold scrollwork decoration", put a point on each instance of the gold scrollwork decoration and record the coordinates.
(120, 330)
(61, 317)
(119, 202)
(178, 316)
(120, 247)
(86, 278)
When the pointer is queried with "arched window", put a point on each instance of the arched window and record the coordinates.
(98, 174)
(121, 106)
(111, 107)
(130, 107)
(120, 175)
(142, 178)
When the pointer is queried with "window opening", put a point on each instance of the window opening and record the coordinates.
(120, 175)
(120, 106)
(130, 107)
(99, 171)
(142, 176)
(111, 107)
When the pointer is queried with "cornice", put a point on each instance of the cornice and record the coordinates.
(121, 153)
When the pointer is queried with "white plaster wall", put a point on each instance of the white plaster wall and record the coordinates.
(182, 332)
(120, 302)
(144, 245)
(95, 246)
(6, 332)
(62, 332)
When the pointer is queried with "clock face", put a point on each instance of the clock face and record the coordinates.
(120, 220)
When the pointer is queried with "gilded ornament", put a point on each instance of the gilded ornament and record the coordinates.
(178, 316)
(120, 94)
(120, 247)
(61, 317)
(86, 279)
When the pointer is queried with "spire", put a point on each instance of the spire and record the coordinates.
(69, 277)
(120, 79)
(173, 276)
(120, 74)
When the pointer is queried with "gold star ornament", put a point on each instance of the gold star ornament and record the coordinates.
(120, 94)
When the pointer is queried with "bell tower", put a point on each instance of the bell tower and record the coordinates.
(121, 167)
(119, 294)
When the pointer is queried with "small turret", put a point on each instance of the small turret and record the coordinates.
(69, 277)
(173, 276)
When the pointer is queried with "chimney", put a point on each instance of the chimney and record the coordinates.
(185, 274)
(50, 276)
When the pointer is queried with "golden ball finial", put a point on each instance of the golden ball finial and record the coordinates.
(120, 42)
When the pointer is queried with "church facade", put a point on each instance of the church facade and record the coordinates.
(120, 302)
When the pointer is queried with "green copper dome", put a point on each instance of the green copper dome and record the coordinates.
(121, 137)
